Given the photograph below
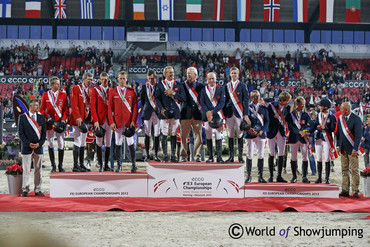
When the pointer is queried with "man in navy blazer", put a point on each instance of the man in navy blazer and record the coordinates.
(212, 99)
(349, 136)
(150, 114)
(259, 117)
(236, 110)
(191, 115)
(276, 134)
(168, 96)
(298, 124)
(32, 133)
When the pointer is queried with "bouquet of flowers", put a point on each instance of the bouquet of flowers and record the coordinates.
(140, 146)
(14, 170)
(365, 172)
(11, 140)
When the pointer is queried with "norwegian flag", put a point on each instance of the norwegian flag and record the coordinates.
(60, 9)
(271, 10)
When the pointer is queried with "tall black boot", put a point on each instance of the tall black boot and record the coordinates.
(52, 160)
(133, 158)
(327, 172)
(319, 173)
(240, 150)
(249, 170)
(165, 150)
(279, 178)
(119, 158)
(106, 160)
(99, 154)
(173, 149)
(231, 149)
(260, 171)
(60, 160)
(156, 147)
(294, 171)
(147, 143)
(219, 151)
(82, 152)
(285, 160)
(76, 154)
(304, 172)
(271, 169)
(210, 151)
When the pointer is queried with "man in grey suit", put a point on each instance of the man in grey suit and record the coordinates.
(32, 132)
(348, 145)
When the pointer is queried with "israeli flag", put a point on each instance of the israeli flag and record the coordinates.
(165, 10)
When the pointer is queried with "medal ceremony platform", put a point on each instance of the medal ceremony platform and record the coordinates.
(190, 186)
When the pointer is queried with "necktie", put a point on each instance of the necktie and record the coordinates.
(34, 116)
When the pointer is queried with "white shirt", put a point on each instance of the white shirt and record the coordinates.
(233, 83)
(34, 116)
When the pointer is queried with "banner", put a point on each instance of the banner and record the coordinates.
(146, 37)
(243, 9)
(218, 10)
(165, 10)
(5, 8)
(300, 10)
(139, 9)
(353, 10)
(86, 11)
(193, 10)
(60, 9)
(326, 10)
(65, 44)
(268, 47)
(33, 9)
(271, 11)
(138, 69)
(111, 9)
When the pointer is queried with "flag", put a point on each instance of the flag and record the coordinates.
(5, 8)
(300, 11)
(60, 9)
(193, 10)
(33, 9)
(244, 10)
(326, 10)
(111, 9)
(353, 10)
(271, 11)
(139, 9)
(86, 9)
(165, 9)
(218, 10)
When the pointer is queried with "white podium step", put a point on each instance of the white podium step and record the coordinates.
(98, 184)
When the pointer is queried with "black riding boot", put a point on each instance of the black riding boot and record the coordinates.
(133, 158)
(99, 154)
(249, 170)
(76, 152)
(231, 149)
(147, 143)
(271, 169)
(52, 160)
(319, 173)
(119, 158)
(294, 171)
(304, 172)
(279, 178)
(156, 147)
(210, 151)
(173, 150)
(240, 150)
(60, 160)
(219, 151)
(106, 160)
(82, 152)
(165, 150)
(260, 171)
(327, 172)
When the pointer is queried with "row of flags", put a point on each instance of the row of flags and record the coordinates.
(271, 11)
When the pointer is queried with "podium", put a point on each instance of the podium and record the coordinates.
(98, 184)
(196, 180)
